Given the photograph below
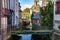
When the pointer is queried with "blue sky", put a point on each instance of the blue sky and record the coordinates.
(26, 3)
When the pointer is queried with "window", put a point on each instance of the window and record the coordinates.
(36, 22)
(58, 7)
(16, 7)
(13, 18)
(3, 1)
(8, 4)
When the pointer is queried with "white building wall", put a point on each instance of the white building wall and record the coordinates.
(4, 27)
(16, 12)
(12, 4)
(56, 24)
(56, 17)
(14, 7)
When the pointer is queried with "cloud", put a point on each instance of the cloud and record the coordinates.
(26, 6)
(29, 6)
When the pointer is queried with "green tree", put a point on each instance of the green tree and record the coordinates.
(47, 15)
(26, 10)
(26, 13)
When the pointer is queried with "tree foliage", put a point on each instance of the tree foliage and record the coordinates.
(26, 13)
(26, 10)
(47, 15)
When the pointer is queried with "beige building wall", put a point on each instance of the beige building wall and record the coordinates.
(4, 27)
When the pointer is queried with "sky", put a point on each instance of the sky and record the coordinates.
(26, 4)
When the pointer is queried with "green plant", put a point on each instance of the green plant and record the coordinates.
(47, 15)
(15, 27)
(59, 26)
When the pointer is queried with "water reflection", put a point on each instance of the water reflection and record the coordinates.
(26, 36)
(35, 36)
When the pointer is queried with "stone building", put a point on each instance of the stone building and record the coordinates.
(20, 14)
(35, 15)
(5, 26)
(14, 12)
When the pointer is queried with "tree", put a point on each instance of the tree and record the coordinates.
(27, 16)
(26, 13)
(47, 13)
(26, 10)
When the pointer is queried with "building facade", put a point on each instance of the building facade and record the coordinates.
(5, 26)
(20, 14)
(56, 19)
(35, 16)
(56, 14)
(15, 13)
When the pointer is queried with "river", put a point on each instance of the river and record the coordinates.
(26, 36)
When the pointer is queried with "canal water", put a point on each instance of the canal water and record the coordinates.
(26, 36)
(35, 36)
